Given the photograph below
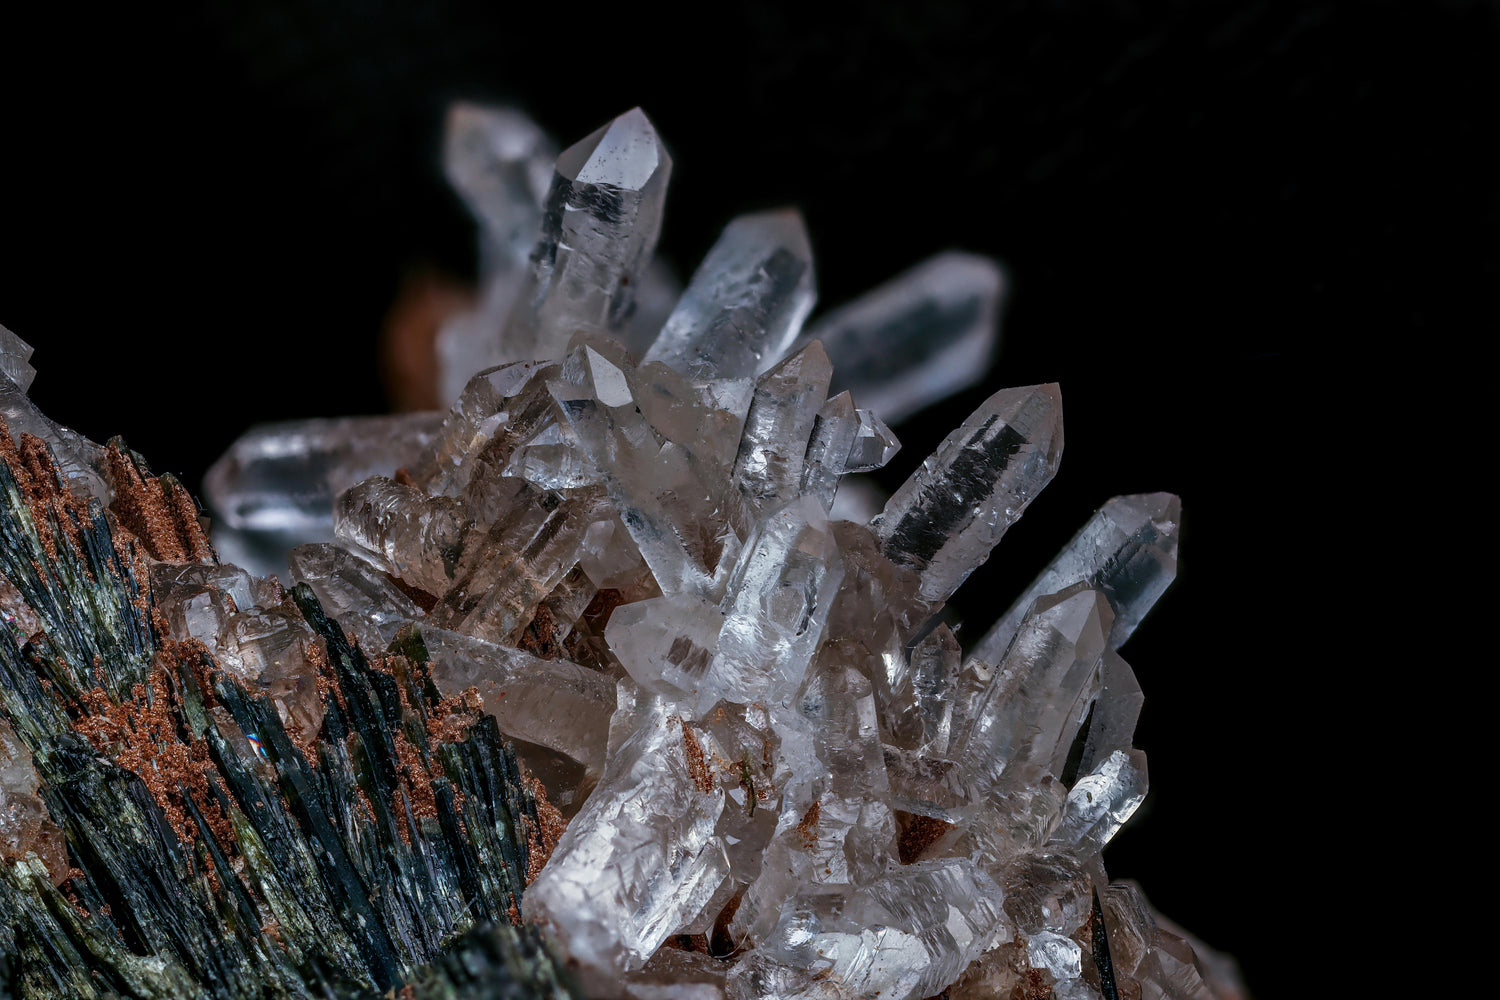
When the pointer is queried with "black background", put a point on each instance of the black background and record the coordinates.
(1218, 221)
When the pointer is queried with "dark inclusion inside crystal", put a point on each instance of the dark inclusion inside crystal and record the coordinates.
(231, 858)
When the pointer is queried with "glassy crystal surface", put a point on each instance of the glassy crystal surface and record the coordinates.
(600, 224)
(746, 302)
(1128, 550)
(946, 518)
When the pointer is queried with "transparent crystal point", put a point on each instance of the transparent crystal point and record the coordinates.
(80, 460)
(1041, 691)
(833, 433)
(746, 301)
(924, 335)
(679, 511)
(873, 446)
(1127, 550)
(788, 398)
(600, 225)
(946, 518)
(1100, 802)
(1115, 712)
(642, 857)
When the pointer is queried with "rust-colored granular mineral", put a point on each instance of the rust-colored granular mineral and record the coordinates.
(157, 510)
(697, 762)
(807, 829)
(921, 833)
(541, 842)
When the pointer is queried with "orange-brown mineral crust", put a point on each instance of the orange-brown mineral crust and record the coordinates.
(921, 833)
(156, 510)
(42, 487)
(141, 735)
(697, 762)
(807, 829)
(541, 841)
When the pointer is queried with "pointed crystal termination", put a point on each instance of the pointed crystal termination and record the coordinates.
(78, 459)
(945, 519)
(746, 301)
(1128, 550)
(642, 858)
(680, 520)
(15, 360)
(1100, 802)
(755, 647)
(1025, 723)
(920, 337)
(788, 398)
(601, 223)
(500, 162)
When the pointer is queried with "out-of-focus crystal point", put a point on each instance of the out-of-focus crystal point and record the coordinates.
(926, 334)
(500, 162)
(946, 518)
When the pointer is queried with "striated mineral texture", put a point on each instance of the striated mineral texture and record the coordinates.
(598, 683)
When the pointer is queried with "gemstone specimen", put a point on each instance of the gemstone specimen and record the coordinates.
(618, 574)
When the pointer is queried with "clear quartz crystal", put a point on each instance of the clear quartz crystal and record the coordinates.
(946, 518)
(642, 857)
(1128, 550)
(746, 302)
(640, 536)
(274, 488)
(80, 460)
(15, 360)
(600, 225)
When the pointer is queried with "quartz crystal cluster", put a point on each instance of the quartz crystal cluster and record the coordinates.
(630, 543)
